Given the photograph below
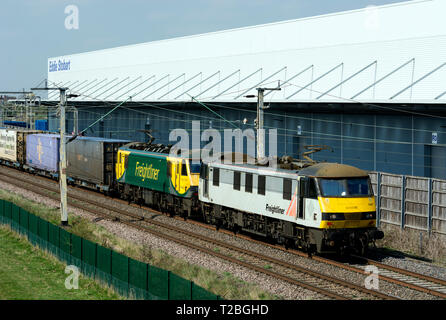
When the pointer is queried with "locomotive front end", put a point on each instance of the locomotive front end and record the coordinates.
(348, 213)
(347, 208)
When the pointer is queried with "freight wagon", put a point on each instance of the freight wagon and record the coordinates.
(90, 160)
(13, 146)
(42, 154)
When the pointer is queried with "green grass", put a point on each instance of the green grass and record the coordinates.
(223, 284)
(28, 273)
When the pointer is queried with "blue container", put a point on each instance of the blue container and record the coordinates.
(42, 151)
(13, 123)
(42, 125)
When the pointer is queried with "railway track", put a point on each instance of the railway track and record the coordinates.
(324, 285)
(412, 279)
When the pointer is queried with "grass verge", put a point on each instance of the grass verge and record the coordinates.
(224, 284)
(28, 273)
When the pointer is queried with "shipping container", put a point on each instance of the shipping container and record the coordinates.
(14, 123)
(13, 145)
(42, 152)
(91, 161)
(42, 125)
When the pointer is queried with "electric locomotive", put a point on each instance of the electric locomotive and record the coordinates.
(147, 174)
(325, 207)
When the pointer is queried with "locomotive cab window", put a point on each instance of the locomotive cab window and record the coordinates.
(351, 187)
(126, 161)
(183, 168)
(216, 177)
(308, 188)
(204, 171)
(312, 189)
(287, 189)
(169, 168)
(248, 182)
(261, 185)
(237, 179)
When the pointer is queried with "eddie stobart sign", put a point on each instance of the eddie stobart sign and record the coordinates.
(59, 65)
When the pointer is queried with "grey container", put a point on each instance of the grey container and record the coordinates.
(91, 161)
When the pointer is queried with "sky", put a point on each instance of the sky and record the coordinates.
(31, 31)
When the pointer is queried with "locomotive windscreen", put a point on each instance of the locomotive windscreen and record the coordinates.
(352, 187)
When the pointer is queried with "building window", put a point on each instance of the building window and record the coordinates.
(287, 189)
(248, 182)
(237, 178)
(216, 177)
(261, 185)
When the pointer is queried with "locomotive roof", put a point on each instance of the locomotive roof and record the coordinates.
(332, 170)
(263, 170)
(320, 170)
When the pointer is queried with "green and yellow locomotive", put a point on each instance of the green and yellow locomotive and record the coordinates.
(147, 174)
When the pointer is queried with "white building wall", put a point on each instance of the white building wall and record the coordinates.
(227, 64)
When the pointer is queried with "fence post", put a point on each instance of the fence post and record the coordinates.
(168, 285)
(430, 209)
(403, 200)
(378, 199)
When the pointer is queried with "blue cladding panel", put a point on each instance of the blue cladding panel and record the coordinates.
(371, 140)
(42, 125)
(42, 151)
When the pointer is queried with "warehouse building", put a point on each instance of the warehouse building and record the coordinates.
(368, 83)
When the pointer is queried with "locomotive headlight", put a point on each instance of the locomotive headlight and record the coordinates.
(336, 216)
(333, 216)
(368, 215)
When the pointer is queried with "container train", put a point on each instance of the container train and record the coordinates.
(323, 207)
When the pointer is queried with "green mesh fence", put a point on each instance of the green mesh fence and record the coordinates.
(76, 251)
(179, 288)
(158, 285)
(53, 239)
(138, 279)
(24, 221)
(103, 264)
(120, 273)
(65, 246)
(33, 229)
(88, 258)
(2, 212)
(15, 215)
(7, 206)
(43, 233)
(130, 278)
(198, 293)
